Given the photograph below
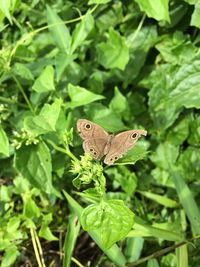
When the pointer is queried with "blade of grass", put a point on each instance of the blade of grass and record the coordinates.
(182, 256)
(70, 238)
(114, 253)
(162, 200)
(187, 200)
(142, 229)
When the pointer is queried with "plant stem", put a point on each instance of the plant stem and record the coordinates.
(62, 150)
(24, 94)
(35, 248)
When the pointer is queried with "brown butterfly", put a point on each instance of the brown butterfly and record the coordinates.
(98, 143)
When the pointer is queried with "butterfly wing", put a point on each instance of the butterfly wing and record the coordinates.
(121, 143)
(94, 136)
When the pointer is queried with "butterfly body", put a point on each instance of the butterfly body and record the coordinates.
(98, 143)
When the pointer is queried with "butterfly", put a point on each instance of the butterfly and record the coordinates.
(98, 143)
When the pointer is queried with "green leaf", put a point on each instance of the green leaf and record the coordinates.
(62, 61)
(138, 152)
(158, 10)
(143, 229)
(58, 30)
(114, 253)
(119, 102)
(123, 177)
(153, 263)
(99, 2)
(5, 6)
(34, 164)
(46, 233)
(73, 230)
(133, 249)
(10, 256)
(194, 138)
(30, 209)
(80, 96)
(46, 121)
(163, 200)
(176, 48)
(45, 82)
(189, 162)
(179, 133)
(165, 155)
(105, 117)
(114, 53)
(186, 86)
(81, 31)
(195, 20)
(4, 147)
(13, 224)
(187, 200)
(112, 218)
(182, 256)
(23, 71)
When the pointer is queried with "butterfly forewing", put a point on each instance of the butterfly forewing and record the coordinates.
(94, 136)
(121, 143)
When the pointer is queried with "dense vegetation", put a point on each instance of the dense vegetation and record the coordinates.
(132, 64)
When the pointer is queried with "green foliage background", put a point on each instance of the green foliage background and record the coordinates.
(124, 65)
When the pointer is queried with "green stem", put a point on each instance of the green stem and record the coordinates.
(11, 101)
(62, 150)
(24, 94)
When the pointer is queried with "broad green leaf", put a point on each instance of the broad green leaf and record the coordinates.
(176, 48)
(186, 87)
(158, 82)
(114, 53)
(4, 147)
(158, 10)
(6, 193)
(46, 233)
(165, 155)
(30, 208)
(153, 263)
(99, 2)
(13, 224)
(113, 17)
(80, 96)
(81, 31)
(163, 200)
(187, 200)
(189, 162)
(112, 218)
(105, 117)
(179, 133)
(195, 20)
(23, 71)
(138, 152)
(59, 31)
(62, 61)
(45, 82)
(119, 102)
(46, 121)
(34, 164)
(114, 253)
(10, 256)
